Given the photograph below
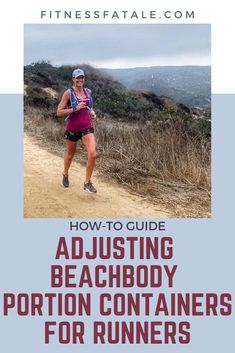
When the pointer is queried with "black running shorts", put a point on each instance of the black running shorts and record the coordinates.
(75, 136)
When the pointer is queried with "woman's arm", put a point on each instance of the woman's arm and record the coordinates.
(62, 109)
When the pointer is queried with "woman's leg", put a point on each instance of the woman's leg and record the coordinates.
(90, 145)
(70, 151)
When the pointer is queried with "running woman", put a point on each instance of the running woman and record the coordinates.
(76, 103)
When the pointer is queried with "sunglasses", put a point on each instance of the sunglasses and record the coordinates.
(82, 77)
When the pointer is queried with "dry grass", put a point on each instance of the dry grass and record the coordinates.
(167, 166)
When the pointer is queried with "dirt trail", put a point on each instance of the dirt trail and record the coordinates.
(45, 197)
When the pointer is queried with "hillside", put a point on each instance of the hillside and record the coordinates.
(190, 85)
(112, 99)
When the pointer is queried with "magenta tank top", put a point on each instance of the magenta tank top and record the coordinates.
(80, 120)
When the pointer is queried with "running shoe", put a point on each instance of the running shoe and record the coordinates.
(89, 187)
(65, 181)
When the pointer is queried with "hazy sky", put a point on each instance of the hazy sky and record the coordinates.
(118, 46)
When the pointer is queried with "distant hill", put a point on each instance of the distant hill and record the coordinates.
(190, 85)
